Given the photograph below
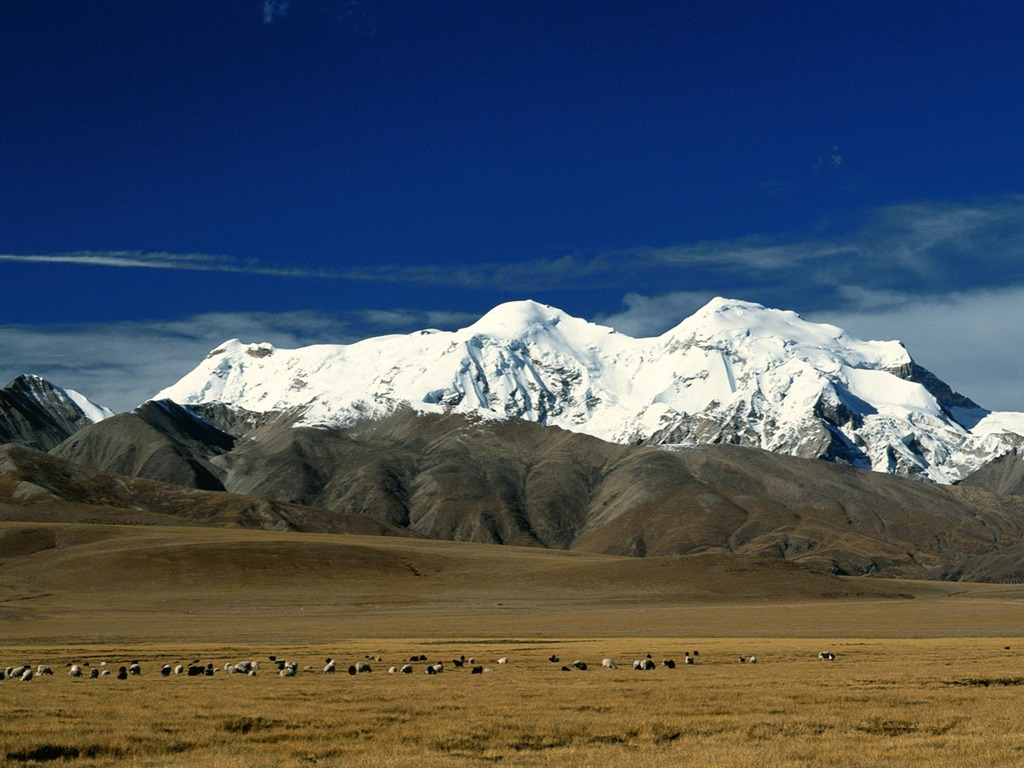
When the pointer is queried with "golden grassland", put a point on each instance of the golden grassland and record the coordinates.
(926, 673)
(926, 702)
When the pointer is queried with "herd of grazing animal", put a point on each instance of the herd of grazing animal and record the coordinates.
(26, 673)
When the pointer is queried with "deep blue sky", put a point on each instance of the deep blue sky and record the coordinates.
(173, 174)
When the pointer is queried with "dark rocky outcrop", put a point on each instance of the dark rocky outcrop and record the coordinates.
(37, 414)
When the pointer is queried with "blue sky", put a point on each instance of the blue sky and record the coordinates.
(314, 171)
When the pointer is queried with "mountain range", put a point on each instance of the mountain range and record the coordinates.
(734, 372)
(531, 427)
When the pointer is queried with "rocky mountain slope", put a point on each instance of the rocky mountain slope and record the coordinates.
(734, 372)
(159, 440)
(448, 476)
(35, 413)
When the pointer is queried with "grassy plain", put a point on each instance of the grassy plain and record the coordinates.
(926, 674)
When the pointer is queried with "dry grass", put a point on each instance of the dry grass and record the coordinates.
(890, 702)
(923, 676)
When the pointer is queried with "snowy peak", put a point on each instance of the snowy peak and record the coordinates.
(733, 372)
(728, 321)
(516, 319)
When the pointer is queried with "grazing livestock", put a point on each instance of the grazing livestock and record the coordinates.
(179, 669)
(94, 673)
(435, 669)
(609, 664)
(406, 669)
(363, 666)
(753, 659)
(552, 658)
(503, 660)
(122, 673)
(476, 670)
(392, 670)
(742, 659)
(15, 673)
(75, 671)
(578, 664)
(42, 670)
(827, 656)
(351, 669)
(670, 663)
(689, 660)
(165, 670)
(329, 667)
(135, 668)
(644, 664)
(26, 675)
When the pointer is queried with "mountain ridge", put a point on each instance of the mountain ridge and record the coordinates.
(733, 372)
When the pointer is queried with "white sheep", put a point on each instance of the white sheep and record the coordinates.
(503, 660)
(75, 671)
(609, 664)
(43, 669)
(329, 667)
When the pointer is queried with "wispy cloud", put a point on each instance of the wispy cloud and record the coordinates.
(928, 245)
(195, 262)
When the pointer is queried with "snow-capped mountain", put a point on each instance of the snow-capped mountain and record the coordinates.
(36, 413)
(734, 372)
